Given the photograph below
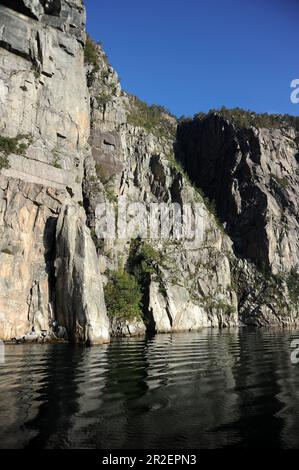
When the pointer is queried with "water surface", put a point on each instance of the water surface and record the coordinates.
(212, 389)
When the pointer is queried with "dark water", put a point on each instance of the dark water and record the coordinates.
(203, 390)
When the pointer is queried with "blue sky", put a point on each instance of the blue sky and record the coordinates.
(193, 55)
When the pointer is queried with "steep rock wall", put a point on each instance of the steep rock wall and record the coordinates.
(191, 286)
(44, 130)
(252, 175)
(80, 302)
(53, 261)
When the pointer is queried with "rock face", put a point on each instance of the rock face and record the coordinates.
(191, 285)
(252, 175)
(44, 115)
(123, 327)
(246, 274)
(27, 232)
(71, 140)
(80, 302)
(43, 96)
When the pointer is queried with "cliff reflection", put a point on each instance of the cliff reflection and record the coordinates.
(209, 389)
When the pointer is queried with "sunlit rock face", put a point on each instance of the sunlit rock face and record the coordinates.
(191, 286)
(244, 270)
(79, 292)
(71, 139)
(28, 215)
(44, 106)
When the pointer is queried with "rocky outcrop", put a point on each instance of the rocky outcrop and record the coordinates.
(191, 285)
(181, 313)
(247, 175)
(43, 96)
(252, 176)
(80, 302)
(34, 8)
(66, 148)
(44, 130)
(127, 327)
(28, 216)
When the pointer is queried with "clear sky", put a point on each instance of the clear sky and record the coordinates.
(193, 55)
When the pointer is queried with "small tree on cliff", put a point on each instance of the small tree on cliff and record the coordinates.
(123, 296)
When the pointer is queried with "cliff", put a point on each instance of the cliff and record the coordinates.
(149, 159)
(44, 128)
(251, 174)
(188, 285)
(248, 167)
(71, 140)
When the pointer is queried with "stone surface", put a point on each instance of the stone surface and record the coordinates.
(44, 96)
(244, 171)
(44, 99)
(127, 328)
(181, 313)
(252, 175)
(28, 216)
(83, 146)
(195, 288)
(80, 306)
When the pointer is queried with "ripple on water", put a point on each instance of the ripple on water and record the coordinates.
(208, 389)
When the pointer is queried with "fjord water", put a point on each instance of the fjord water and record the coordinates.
(211, 389)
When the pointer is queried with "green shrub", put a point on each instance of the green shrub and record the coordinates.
(103, 99)
(98, 242)
(123, 296)
(293, 285)
(10, 145)
(152, 118)
(143, 260)
(110, 194)
(104, 75)
(90, 52)
(91, 57)
(4, 163)
(221, 305)
(149, 256)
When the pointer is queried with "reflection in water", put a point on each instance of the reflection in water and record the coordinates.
(209, 389)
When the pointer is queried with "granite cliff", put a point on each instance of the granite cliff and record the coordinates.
(71, 140)
(248, 167)
(44, 126)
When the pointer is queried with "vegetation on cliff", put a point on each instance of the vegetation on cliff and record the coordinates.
(123, 296)
(8, 145)
(4, 163)
(15, 145)
(293, 286)
(153, 118)
(245, 118)
(93, 53)
(90, 52)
